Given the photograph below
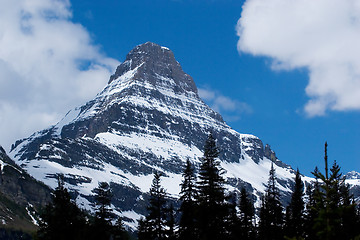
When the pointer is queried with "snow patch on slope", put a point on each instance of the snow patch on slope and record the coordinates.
(161, 147)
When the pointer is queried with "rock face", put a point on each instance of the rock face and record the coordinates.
(21, 196)
(148, 117)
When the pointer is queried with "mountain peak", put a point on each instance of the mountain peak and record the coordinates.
(150, 49)
(151, 53)
(154, 64)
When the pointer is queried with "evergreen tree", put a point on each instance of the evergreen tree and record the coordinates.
(271, 216)
(144, 229)
(232, 221)
(349, 219)
(102, 226)
(327, 223)
(211, 194)
(188, 207)
(247, 213)
(119, 232)
(314, 204)
(62, 219)
(295, 219)
(154, 226)
(337, 214)
(263, 219)
(170, 224)
(103, 195)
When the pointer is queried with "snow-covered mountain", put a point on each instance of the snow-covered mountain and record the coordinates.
(148, 117)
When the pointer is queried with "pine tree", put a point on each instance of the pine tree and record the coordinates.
(247, 213)
(336, 217)
(62, 219)
(103, 195)
(327, 223)
(144, 229)
(314, 204)
(170, 224)
(271, 217)
(295, 221)
(232, 221)
(349, 219)
(154, 226)
(119, 232)
(211, 194)
(188, 207)
(102, 226)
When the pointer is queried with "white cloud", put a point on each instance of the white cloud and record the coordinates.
(48, 64)
(230, 109)
(322, 36)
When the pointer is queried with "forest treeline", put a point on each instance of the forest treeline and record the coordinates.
(207, 211)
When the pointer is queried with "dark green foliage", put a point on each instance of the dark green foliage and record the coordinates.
(188, 206)
(154, 226)
(314, 204)
(170, 224)
(271, 216)
(62, 219)
(336, 218)
(232, 222)
(119, 232)
(349, 219)
(246, 206)
(101, 227)
(211, 194)
(295, 210)
(144, 229)
(103, 195)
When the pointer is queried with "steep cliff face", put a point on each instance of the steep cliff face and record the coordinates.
(148, 117)
(21, 196)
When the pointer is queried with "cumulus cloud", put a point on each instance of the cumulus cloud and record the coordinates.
(230, 109)
(321, 36)
(48, 64)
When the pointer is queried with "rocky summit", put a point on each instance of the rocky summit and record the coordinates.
(148, 117)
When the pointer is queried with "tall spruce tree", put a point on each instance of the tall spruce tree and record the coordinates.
(232, 221)
(188, 205)
(327, 223)
(336, 217)
(349, 219)
(295, 219)
(246, 207)
(102, 226)
(62, 219)
(119, 232)
(313, 204)
(155, 224)
(144, 229)
(170, 223)
(211, 194)
(271, 216)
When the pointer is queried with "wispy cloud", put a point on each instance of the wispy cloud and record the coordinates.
(231, 109)
(321, 36)
(47, 65)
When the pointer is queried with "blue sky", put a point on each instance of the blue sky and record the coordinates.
(260, 85)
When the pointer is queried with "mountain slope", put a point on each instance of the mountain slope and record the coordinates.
(21, 196)
(148, 117)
